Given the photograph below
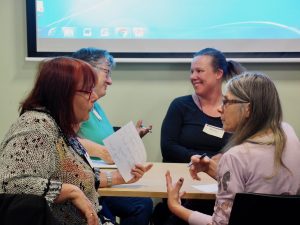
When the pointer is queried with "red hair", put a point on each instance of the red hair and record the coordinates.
(55, 87)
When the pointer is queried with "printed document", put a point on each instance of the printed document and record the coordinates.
(126, 149)
(209, 188)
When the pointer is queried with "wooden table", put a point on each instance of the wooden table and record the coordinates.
(153, 183)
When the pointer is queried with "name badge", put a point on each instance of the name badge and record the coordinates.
(86, 155)
(214, 131)
(97, 115)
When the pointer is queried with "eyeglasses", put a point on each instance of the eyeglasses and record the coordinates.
(226, 101)
(89, 93)
(106, 71)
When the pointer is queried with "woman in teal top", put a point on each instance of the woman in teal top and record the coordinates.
(132, 211)
(97, 122)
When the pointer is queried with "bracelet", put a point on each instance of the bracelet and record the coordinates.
(108, 178)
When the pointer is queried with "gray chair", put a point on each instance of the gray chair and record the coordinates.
(262, 209)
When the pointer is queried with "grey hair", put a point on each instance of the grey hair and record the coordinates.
(93, 55)
(265, 111)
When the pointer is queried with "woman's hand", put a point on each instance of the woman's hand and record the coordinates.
(174, 198)
(138, 172)
(85, 206)
(206, 165)
(72, 193)
(198, 165)
(96, 150)
(174, 194)
(141, 129)
(104, 155)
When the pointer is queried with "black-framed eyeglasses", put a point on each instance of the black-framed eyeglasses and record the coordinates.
(89, 93)
(106, 71)
(226, 101)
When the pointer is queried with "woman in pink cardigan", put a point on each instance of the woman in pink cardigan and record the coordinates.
(262, 156)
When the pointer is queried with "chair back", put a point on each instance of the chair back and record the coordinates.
(25, 209)
(262, 209)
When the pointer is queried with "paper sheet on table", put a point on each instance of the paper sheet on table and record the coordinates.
(99, 163)
(126, 149)
(209, 188)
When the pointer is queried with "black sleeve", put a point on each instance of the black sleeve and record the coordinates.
(171, 149)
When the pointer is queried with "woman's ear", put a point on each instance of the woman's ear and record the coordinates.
(220, 74)
(247, 110)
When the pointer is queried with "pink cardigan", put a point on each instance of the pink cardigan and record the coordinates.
(244, 168)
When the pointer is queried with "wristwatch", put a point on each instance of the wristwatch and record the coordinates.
(108, 178)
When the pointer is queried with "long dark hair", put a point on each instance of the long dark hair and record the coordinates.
(230, 68)
(55, 87)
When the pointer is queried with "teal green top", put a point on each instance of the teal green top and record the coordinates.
(97, 127)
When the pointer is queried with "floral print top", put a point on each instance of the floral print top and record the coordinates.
(36, 158)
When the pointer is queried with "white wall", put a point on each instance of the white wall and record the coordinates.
(138, 91)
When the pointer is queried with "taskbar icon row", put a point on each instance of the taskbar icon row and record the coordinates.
(90, 32)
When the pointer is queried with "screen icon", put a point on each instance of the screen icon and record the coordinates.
(52, 32)
(39, 6)
(122, 32)
(68, 31)
(87, 32)
(104, 32)
(139, 32)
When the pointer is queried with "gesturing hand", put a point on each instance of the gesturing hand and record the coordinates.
(138, 172)
(174, 194)
(207, 165)
(141, 129)
(198, 165)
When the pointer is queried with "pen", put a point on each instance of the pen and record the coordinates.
(200, 157)
(144, 127)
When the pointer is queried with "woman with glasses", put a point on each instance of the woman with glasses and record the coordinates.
(102, 62)
(262, 156)
(130, 210)
(98, 127)
(41, 155)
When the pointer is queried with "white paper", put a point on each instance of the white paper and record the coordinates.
(96, 163)
(126, 149)
(209, 188)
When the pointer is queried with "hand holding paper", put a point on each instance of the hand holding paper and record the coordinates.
(138, 172)
(127, 150)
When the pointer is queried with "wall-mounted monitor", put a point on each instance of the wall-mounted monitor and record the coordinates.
(166, 30)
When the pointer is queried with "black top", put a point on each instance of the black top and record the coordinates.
(182, 132)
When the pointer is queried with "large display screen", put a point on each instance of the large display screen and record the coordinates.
(165, 28)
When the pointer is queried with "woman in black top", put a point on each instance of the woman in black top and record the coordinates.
(192, 124)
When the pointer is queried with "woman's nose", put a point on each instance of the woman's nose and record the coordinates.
(220, 108)
(109, 80)
(193, 75)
